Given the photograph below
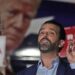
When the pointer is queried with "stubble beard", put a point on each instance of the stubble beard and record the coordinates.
(47, 46)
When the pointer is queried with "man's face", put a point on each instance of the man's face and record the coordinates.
(48, 38)
(16, 18)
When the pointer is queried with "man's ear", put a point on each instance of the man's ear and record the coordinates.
(61, 43)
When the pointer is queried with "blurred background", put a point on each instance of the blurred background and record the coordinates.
(63, 11)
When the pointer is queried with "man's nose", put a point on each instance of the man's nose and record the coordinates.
(19, 21)
(46, 34)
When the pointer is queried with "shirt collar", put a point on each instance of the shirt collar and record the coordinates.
(54, 63)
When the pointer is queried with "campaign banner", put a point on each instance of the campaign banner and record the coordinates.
(70, 35)
(2, 50)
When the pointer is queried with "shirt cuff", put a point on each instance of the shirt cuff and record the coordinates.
(72, 65)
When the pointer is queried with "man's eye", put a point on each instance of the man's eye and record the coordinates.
(41, 33)
(27, 17)
(50, 33)
(13, 13)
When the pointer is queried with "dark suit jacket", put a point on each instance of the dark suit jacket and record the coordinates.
(63, 69)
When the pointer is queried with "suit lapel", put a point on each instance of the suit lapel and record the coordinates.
(61, 68)
(32, 70)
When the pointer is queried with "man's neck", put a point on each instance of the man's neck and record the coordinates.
(48, 58)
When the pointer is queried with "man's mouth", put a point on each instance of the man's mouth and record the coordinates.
(12, 37)
(44, 43)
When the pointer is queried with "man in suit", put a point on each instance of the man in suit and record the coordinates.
(51, 39)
